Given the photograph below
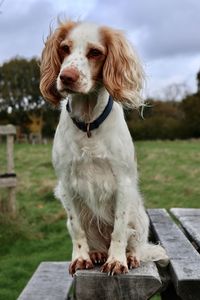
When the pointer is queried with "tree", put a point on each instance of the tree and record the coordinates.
(191, 108)
(162, 120)
(20, 96)
(174, 92)
(198, 82)
(19, 85)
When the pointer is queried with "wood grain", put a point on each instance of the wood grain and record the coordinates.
(184, 259)
(189, 219)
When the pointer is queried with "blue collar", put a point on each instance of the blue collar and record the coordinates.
(88, 127)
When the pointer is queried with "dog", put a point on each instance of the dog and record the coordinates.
(96, 73)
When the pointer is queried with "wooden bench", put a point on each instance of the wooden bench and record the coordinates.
(8, 179)
(184, 267)
(180, 280)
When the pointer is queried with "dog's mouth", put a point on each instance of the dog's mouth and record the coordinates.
(67, 90)
(71, 90)
(74, 88)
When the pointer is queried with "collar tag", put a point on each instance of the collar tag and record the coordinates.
(89, 134)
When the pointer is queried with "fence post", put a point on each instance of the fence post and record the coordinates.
(9, 179)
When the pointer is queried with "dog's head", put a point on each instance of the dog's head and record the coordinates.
(79, 57)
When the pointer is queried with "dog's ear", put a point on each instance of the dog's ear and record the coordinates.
(122, 71)
(51, 63)
(49, 68)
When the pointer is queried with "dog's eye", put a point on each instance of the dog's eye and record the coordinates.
(94, 53)
(65, 49)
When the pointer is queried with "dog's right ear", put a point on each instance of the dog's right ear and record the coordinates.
(51, 62)
(50, 68)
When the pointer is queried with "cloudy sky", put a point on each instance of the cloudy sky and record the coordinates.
(165, 33)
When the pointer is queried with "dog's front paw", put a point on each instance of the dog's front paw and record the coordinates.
(133, 261)
(80, 264)
(114, 267)
(98, 257)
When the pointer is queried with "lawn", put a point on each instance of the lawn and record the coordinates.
(169, 176)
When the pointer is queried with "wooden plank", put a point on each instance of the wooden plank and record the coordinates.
(186, 211)
(140, 283)
(184, 259)
(8, 182)
(51, 281)
(7, 129)
(10, 156)
(189, 219)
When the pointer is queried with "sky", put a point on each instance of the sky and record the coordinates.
(165, 33)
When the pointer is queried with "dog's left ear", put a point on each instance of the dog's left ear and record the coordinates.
(123, 74)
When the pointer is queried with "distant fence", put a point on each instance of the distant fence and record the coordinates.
(8, 179)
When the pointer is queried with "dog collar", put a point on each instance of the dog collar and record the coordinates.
(88, 127)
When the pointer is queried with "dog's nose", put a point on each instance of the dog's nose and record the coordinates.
(69, 76)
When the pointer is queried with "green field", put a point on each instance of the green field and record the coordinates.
(169, 177)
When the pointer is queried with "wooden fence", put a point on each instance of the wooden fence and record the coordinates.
(8, 179)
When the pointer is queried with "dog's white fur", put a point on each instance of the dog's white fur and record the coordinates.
(97, 176)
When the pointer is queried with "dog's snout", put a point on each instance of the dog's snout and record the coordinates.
(69, 76)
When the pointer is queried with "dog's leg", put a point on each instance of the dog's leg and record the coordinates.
(132, 250)
(138, 247)
(117, 261)
(138, 232)
(133, 260)
(80, 253)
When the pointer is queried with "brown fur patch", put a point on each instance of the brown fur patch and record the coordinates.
(122, 72)
(51, 61)
(114, 267)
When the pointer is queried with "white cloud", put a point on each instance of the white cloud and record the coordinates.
(167, 71)
(75, 9)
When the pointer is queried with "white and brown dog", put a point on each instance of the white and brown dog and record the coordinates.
(98, 72)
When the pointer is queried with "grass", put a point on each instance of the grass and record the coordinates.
(169, 175)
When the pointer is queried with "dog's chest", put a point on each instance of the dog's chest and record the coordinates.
(92, 179)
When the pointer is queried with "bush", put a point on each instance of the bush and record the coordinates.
(162, 120)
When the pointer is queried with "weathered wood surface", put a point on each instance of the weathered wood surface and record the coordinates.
(184, 259)
(50, 281)
(140, 283)
(10, 156)
(7, 129)
(189, 219)
(8, 182)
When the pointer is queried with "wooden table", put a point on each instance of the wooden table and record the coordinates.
(180, 280)
(184, 267)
